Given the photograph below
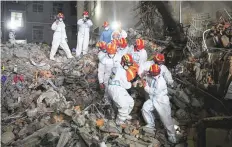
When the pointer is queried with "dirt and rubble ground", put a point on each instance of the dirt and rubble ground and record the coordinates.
(58, 103)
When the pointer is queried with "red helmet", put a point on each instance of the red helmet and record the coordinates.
(111, 48)
(101, 45)
(154, 70)
(127, 60)
(85, 13)
(105, 24)
(159, 58)
(122, 43)
(139, 44)
(60, 15)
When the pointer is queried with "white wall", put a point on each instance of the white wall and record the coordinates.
(115, 10)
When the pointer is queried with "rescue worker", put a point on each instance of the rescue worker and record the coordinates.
(160, 60)
(59, 37)
(106, 63)
(158, 100)
(101, 49)
(123, 47)
(83, 34)
(106, 34)
(119, 33)
(138, 52)
(118, 85)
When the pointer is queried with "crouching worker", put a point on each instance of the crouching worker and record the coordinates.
(159, 101)
(59, 37)
(119, 82)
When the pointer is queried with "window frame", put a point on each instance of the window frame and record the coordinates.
(37, 28)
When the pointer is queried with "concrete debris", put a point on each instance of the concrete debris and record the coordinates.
(7, 137)
(182, 96)
(64, 138)
(182, 114)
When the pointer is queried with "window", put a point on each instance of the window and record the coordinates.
(57, 8)
(37, 33)
(73, 10)
(37, 6)
(74, 32)
(17, 19)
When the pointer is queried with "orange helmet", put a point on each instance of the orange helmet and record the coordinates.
(154, 70)
(105, 24)
(60, 15)
(85, 13)
(139, 44)
(159, 58)
(127, 60)
(115, 41)
(101, 45)
(123, 43)
(111, 48)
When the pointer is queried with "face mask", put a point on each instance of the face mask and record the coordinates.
(106, 28)
(60, 19)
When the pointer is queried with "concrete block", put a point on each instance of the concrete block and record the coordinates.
(7, 137)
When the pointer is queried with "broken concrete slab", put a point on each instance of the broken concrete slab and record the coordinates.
(7, 137)
(79, 120)
(64, 138)
(182, 96)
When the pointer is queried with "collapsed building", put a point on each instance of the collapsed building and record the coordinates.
(58, 103)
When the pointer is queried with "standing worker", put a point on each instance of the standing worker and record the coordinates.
(138, 53)
(159, 101)
(106, 34)
(83, 34)
(107, 62)
(59, 37)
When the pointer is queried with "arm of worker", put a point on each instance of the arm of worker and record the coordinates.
(167, 75)
(152, 90)
(54, 25)
(65, 35)
(101, 69)
(89, 23)
(80, 22)
(124, 83)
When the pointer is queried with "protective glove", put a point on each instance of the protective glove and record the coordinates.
(102, 86)
(66, 39)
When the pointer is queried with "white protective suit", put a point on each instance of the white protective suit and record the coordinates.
(117, 90)
(138, 56)
(123, 51)
(122, 34)
(83, 36)
(105, 66)
(159, 101)
(59, 38)
(164, 71)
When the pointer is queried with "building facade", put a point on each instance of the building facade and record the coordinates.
(34, 19)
